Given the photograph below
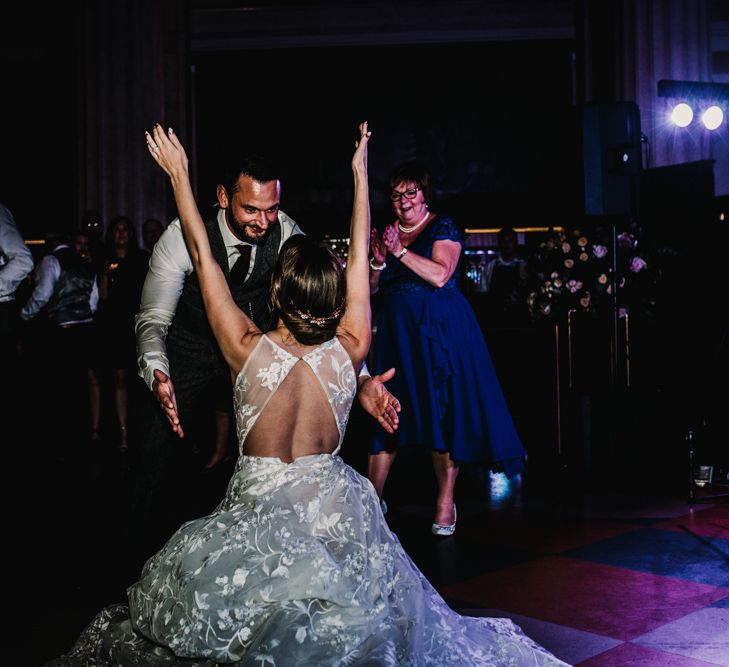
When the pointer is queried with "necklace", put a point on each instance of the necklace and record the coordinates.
(412, 228)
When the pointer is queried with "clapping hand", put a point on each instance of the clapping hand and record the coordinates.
(379, 251)
(391, 240)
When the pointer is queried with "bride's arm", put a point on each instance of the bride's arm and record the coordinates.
(357, 321)
(229, 323)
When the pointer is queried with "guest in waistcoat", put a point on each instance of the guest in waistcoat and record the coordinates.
(64, 300)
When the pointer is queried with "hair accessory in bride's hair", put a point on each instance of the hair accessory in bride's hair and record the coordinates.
(319, 321)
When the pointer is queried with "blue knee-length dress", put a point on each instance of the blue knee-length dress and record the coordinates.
(446, 382)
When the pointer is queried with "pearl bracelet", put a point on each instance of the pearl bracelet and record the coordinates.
(377, 267)
(401, 253)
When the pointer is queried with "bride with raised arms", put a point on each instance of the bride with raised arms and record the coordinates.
(297, 565)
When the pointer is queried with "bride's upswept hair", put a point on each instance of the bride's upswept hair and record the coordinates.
(308, 289)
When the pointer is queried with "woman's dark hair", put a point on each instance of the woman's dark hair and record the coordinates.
(308, 289)
(411, 172)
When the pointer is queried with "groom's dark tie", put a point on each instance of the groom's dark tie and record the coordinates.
(239, 270)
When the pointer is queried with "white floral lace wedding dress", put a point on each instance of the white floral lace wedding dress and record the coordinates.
(295, 567)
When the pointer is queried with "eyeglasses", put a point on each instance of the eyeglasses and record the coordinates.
(408, 194)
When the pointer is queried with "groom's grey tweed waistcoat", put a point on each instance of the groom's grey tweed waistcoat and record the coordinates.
(191, 345)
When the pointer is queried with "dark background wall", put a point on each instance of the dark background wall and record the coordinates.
(38, 78)
(493, 122)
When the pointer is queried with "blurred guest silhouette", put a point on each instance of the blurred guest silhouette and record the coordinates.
(93, 226)
(504, 280)
(81, 244)
(16, 263)
(151, 231)
(124, 267)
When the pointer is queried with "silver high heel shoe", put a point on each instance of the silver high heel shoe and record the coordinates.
(445, 529)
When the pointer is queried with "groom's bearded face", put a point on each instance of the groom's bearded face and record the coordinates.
(253, 209)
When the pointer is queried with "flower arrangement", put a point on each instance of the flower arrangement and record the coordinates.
(573, 271)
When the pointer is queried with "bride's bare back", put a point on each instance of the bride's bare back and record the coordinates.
(293, 400)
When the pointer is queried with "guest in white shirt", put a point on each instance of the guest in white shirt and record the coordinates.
(16, 263)
(64, 301)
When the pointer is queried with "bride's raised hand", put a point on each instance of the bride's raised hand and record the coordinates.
(359, 159)
(167, 151)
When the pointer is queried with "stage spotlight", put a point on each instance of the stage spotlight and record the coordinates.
(711, 98)
(712, 117)
(682, 115)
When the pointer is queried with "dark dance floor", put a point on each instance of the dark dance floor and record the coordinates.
(603, 578)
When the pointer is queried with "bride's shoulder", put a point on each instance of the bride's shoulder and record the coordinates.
(250, 342)
(352, 348)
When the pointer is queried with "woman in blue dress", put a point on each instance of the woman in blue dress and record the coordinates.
(452, 402)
